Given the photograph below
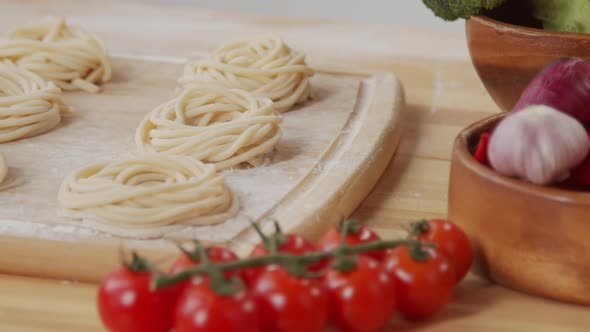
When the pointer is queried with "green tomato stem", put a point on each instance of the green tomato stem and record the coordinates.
(162, 281)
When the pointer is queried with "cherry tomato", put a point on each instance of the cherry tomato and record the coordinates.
(289, 303)
(363, 299)
(200, 309)
(332, 238)
(126, 303)
(295, 244)
(216, 254)
(422, 287)
(453, 242)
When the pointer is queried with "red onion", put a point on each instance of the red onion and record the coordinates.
(563, 85)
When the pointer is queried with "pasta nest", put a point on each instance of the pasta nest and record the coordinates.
(29, 105)
(213, 124)
(266, 67)
(72, 58)
(148, 192)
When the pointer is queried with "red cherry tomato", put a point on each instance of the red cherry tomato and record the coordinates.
(200, 309)
(422, 287)
(216, 254)
(361, 300)
(332, 238)
(453, 242)
(295, 244)
(126, 303)
(290, 304)
(182, 263)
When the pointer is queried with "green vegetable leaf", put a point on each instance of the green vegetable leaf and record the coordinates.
(451, 10)
(563, 15)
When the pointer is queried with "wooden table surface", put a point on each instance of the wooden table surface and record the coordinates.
(443, 94)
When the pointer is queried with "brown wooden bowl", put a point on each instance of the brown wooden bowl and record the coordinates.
(526, 237)
(507, 56)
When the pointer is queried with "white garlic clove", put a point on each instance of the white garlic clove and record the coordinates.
(538, 144)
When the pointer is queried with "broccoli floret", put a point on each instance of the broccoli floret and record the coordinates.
(451, 10)
(563, 15)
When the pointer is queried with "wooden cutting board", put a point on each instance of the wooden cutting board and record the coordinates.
(334, 149)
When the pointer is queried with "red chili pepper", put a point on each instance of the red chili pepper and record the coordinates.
(481, 151)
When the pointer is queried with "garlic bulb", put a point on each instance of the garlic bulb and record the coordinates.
(538, 144)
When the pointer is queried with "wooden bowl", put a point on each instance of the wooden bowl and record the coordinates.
(508, 56)
(526, 237)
